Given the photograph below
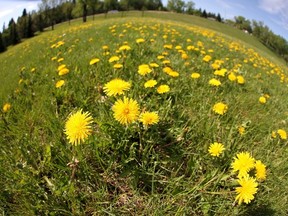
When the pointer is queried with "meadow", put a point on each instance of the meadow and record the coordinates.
(143, 114)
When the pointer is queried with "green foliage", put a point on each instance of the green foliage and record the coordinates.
(164, 169)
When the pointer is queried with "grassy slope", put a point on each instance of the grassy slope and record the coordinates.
(8, 72)
(174, 179)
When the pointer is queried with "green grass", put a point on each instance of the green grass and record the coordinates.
(164, 169)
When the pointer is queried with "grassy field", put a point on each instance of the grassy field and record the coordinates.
(143, 114)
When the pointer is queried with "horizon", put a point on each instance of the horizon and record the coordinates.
(272, 15)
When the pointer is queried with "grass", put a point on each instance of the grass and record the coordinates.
(162, 169)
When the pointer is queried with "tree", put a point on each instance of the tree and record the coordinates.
(154, 4)
(176, 5)
(2, 44)
(67, 8)
(243, 23)
(13, 33)
(219, 18)
(190, 7)
(204, 14)
(84, 5)
(92, 4)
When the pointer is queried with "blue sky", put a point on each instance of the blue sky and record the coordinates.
(274, 13)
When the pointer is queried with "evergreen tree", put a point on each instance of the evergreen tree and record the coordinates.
(219, 18)
(204, 14)
(2, 44)
(30, 30)
(13, 33)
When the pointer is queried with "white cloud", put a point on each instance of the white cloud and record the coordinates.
(278, 8)
(5, 12)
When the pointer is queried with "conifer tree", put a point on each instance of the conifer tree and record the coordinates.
(2, 44)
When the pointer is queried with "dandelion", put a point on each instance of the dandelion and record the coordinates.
(63, 71)
(243, 162)
(6, 107)
(140, 40)
(260, 170)
(207, 58)
(241, 130)
(240, 79)
(118, 66)
(124, 48)
(246, 192)
(59, 84)
(214, 82)
(262, 100)
(163, 89)
(195, 75)
(184, 56)
(282, 133)
(144, 69)
(153, 65)
(150, 83)
(232, 77)
(220, 108)
(60, 59)
(77, 127)
(215, 149)
(221, 72)
(61, 67)
(126, 111)
(114, 59)
(94, 61)
(273, 135)
(149, 118)
(116, 87)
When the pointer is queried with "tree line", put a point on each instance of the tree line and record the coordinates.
(51, 12)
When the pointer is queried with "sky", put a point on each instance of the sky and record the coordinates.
(274, 13)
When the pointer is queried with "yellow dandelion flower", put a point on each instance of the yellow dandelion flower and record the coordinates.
(140, 40)
(166, 61)
(163, 89)
(240, 79)
(273, 135)
(243, 162)
(220, 72)
(184, 56)
(116, 87)
(168, 46)
(220, 108)
(173, 74)
(63, 71)
(214, 82)
(144, 69)
(241, 130)
(94, 61)
(154, 65)
(160, 57)
(282, 133)
(54, 58)
(6, 107)
(195, 75)
(126, 111)
(207, 58)
(150, 83)
(114, 59)
(105, 47)
(248, 188)
(60, 59)
(59, 84)
(33, 70)
(118, 66)
(232, 77)
(61, 67)
(215, 149)
(262, 100)
(77, 127)
(149, 118)
(260, 170)
(125, 48)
